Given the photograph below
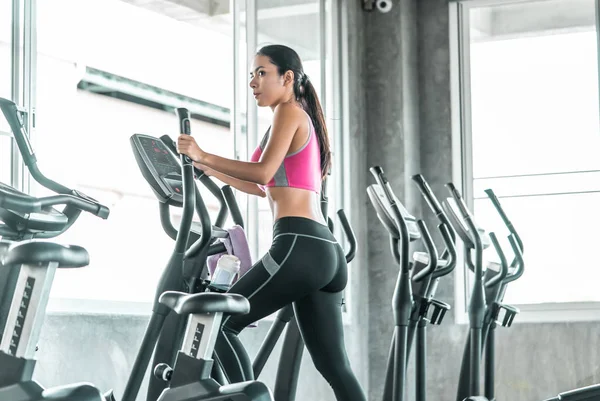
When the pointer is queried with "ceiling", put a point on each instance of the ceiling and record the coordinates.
(291, 22)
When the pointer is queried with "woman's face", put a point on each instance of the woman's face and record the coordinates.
(268, 87)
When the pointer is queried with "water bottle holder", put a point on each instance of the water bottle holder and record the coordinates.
(438, 311)
(506, 320)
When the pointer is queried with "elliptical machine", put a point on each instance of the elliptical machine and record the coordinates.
(489, 287)
(159, 164)
(411, 308)
(177, 302)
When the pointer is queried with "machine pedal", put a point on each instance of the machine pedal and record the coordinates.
(439, 310)
(509, 314)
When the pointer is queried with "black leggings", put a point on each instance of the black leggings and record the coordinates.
(307, 267)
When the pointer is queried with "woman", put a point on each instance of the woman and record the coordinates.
(305, 265)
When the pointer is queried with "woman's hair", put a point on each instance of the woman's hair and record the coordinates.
(287, 59)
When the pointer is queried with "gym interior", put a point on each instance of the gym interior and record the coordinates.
(484, 94)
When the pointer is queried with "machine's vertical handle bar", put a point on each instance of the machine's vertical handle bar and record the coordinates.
(503, 263)
(475, 236)
(511, 228)
(520, 262)
(349, 235)
(189, 194)
(436, 208)
(425, 189)
(379, 175)
(431, 251)
(450, 250)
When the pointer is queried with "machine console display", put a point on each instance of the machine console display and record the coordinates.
(384, 212)
(460, 225)
(160, 168)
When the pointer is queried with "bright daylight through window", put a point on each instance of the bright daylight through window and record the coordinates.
(536, 139)
(273, 24)
(97, 88)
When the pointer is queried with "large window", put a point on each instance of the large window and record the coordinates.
(97, 88)
(280, 23)
(93, 90)
(268, 22)
(532, 135)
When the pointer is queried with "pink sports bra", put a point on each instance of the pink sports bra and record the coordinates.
(301, 169)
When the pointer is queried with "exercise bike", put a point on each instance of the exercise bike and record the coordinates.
(37, 262)
(27, 268)
(417, 280)
(34, 217)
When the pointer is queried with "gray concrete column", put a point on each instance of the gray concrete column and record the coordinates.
(390, 78)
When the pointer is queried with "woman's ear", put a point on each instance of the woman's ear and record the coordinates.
(288, 77)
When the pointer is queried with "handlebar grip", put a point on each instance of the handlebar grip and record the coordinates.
(185, 127)
(383, 182)
(490, 193)
(78, 202)
(425, 189)
(20, 203)
(459, 200)
(27, 204)
(349, 235)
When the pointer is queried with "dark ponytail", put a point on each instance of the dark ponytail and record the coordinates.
(287, 59)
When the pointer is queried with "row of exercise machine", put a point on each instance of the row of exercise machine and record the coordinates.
(187, 312)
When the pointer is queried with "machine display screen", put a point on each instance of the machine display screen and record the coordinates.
(161, 158)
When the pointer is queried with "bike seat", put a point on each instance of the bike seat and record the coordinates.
(39, 252)
(72, 392)
(206, 302)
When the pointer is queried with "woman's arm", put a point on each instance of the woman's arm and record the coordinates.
(283, 129)
(247, 187)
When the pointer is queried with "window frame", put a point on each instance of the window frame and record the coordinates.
(462, 165)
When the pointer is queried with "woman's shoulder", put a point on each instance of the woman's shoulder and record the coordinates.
(289, 111)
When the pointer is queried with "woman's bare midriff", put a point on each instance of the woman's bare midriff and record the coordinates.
(295, 202)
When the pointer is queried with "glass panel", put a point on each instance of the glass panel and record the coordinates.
(5, 55)
(5, 48)
(279, 22)
(559, 233)
(534, 88)
(5, 159)
(84, 124)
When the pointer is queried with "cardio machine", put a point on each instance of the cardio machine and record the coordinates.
(37, 262)
(156, 158)
(486, 310)
(27, 268)
(414, 304)
(25, 217)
